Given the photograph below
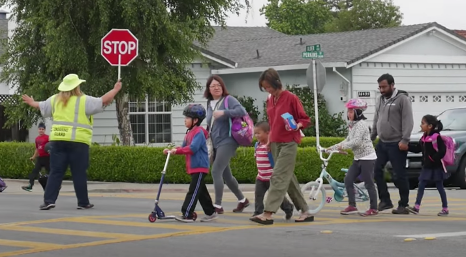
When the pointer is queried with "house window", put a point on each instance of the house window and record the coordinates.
(450, 98)
(412, 98)
(437, 98)
(423, 98)
(462, 98)
(150, 121)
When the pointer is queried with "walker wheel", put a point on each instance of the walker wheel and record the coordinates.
(194, 216)
(152, 218)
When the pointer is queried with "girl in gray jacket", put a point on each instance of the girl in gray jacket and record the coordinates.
(360, 143)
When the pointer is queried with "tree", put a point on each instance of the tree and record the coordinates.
(367, 14)
(295, 17)
(338, 5)
(57, 37)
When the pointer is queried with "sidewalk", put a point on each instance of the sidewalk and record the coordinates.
(14, 185)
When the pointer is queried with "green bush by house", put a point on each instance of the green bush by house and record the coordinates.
(144, 164)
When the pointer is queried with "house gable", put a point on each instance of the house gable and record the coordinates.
(433, 45)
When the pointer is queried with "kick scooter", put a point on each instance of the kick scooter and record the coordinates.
(157, 213)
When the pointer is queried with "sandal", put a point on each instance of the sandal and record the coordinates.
(306, 219)
(257, 219)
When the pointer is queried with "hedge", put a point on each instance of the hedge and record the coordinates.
(144, 164)
(311, 141)
(324, 141)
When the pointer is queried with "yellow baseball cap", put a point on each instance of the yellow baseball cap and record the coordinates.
(70, 82)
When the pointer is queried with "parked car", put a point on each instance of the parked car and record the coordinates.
(454, 125)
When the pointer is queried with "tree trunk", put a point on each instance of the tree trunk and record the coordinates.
(124, 124)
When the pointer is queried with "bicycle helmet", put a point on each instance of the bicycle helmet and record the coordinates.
(356, 103)
(195, 111)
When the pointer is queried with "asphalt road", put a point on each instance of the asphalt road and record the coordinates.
(118, 226)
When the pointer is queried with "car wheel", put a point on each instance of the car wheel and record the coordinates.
(460, 175)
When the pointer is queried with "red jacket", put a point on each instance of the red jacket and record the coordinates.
(286, 103)
(195, 148)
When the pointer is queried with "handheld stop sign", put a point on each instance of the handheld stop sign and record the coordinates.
(119, 47)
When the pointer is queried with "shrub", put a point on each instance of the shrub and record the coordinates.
(144, 164)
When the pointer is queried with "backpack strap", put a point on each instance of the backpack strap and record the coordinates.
(226, 108)
(272, 163)
(269, 154)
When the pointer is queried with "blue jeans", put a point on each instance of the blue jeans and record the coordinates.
(391, 152)
(76, 156)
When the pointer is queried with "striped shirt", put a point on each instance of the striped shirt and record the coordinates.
(264, 168)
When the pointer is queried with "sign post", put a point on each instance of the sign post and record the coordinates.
(119, 47)
(314, 52)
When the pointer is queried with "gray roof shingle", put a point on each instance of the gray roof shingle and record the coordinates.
(240, 44)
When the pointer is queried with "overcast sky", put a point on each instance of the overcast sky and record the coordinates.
(448, 13)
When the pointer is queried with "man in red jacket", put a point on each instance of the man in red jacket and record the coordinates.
(41, 157)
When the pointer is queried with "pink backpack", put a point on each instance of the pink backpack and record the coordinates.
(241, 128)
(449, 158)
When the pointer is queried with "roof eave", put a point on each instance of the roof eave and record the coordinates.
(277, 68)
(434, 26)
(216, 58)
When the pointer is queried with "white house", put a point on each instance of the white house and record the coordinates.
(427, 60)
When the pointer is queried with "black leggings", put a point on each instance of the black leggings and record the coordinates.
(440, 188)
(41, 162)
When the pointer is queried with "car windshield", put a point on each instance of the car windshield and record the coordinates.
(453, 120)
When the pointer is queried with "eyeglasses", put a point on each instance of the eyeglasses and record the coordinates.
(215, 85)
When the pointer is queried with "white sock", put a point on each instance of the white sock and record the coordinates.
(242, 200)
(217, 206)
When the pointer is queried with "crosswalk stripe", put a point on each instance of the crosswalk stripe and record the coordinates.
(66, 232)
(160, 224)
(26, 244)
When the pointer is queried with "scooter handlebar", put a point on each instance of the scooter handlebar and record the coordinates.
(166, 162)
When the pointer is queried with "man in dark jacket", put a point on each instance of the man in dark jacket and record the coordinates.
(393, 123)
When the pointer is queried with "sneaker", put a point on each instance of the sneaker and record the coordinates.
(47, 206)
(27, 188)
(370, 212)
(384, 206)
(219, 210)
(208, 218)
(89, 206)
(241, 206)
(443, 212)
(400, 210)
(349, 210)
(413, 210)
(184, 219)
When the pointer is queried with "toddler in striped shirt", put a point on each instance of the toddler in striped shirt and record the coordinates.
(264, 161)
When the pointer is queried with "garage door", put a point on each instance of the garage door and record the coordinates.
(434, 104)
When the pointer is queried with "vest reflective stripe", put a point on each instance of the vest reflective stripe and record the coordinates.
(70, 123)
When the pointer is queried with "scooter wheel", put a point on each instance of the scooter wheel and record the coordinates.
(152, 218)
(194, 216)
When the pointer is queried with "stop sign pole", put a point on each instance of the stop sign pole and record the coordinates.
(119, 47)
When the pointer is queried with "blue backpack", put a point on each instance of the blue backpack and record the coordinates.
(268, 153)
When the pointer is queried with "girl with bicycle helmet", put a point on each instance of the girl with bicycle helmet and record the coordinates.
(359, 141)
(194, 147)
(357, 106)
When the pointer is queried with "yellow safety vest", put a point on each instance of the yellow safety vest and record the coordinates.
(70, 123)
